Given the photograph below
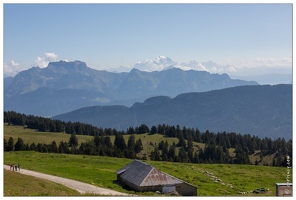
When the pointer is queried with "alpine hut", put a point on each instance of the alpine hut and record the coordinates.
(142, 177)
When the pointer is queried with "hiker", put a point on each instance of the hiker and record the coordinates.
(19, 167)
(10, 166)
(15, 167)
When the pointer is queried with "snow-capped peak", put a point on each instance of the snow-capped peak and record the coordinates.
(157, 64)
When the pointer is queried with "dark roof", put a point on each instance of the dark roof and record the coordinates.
(135, 172)
(142, 174)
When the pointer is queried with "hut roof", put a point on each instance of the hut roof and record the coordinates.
(142, 174)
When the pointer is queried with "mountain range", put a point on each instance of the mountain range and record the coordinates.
(66, 86)
(271, 75)
(267, 79)
(261, 110)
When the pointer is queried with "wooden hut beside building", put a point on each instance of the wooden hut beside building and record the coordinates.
(142, 177)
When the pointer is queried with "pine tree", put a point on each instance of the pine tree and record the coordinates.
(190, 155)
(143, 129)
(155, 154)
(138, 146)
(54, 147)
(33, 147)
(172, 153)
(10, 145)
(63, 147)
(131, 142)
(182, 142)
(182, 155)
(196, 158)
(119, 142)
(73, 141)
(19, 145)
(153, 130)
(107, 142)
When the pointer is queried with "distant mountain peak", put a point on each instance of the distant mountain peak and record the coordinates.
(162, 59)
(64, 67)
(157, 64)
(67, 63)
(169, 67)
(86, 86)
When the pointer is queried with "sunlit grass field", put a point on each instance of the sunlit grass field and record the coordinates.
(100, 171)
(30, 135)
(16, 184)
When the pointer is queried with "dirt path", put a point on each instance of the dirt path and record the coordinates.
(73, 184)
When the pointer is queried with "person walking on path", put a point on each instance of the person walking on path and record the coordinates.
(12, 167)
(15, 167)
(19, 167)
(83, 188)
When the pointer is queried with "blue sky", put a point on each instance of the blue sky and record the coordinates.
(112, 35)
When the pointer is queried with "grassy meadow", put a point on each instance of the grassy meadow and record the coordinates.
(16, 184)
(100, 171)
(30, 135)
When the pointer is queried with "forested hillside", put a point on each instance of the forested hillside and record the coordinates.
(216, 149)
(265, 111)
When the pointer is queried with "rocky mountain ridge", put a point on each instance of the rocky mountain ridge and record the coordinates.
(42, 91)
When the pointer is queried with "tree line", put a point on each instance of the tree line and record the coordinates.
(99, 145)
(49, 125)
(216, 148)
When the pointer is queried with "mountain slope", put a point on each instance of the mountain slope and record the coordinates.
(271, 79)
(265, 111)
(65, 86)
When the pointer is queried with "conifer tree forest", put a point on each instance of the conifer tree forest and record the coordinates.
(216, 148)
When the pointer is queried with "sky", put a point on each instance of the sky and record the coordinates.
(256, 36)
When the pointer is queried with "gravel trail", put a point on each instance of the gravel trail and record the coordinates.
(73, 184)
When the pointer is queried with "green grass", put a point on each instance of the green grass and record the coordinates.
(30, 135)
(95, 170)
(16, 184)
(100, 171)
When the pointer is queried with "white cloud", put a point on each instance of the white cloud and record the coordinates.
(14, 64)
(157, 64)
(287, 60)
(265, 61)
(271, 62)
(201, 67)
(259, 65)
(11, 69)
(231, 69)
(51, 56)
(42, 62)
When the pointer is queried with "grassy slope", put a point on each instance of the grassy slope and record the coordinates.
(100, 171)
(16, 184)
(30, 135)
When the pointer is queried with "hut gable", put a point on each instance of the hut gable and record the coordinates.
(156, 177)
